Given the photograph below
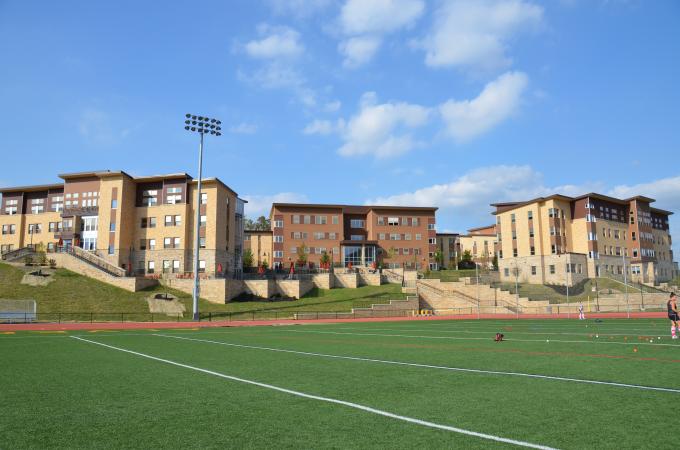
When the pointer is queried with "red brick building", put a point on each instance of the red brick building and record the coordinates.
(393, 236)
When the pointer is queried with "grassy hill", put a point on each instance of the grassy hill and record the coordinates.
(77, 296)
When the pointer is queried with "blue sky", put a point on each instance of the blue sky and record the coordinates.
(448, 103)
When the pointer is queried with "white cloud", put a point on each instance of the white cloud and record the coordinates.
(260, 205)
(357, 51)
(499, 100)
(475, 33)
(243, 128)
(332, 106)
(276, 42)
(365, 22)
(666, 191)
(379, 16)
(382, 130)
(323, 127)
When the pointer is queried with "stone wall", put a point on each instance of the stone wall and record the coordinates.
(369, 279)
(346, 280)
(260, 288)
(293, 288)
(216, 290)
(132, 284)
(323, 280)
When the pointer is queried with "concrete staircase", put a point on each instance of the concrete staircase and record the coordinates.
(473, 298)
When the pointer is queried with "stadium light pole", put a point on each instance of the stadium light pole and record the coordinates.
(202, 125)
(625, 281)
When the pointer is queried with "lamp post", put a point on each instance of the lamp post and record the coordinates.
(625, 281)
(202, 125)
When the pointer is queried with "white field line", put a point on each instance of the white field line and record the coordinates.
(430, 366)
(379, 412)
(477, 338)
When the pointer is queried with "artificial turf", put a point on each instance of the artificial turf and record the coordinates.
(60, 392)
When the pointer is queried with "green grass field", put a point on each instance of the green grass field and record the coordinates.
(194, 388)
(71, 293)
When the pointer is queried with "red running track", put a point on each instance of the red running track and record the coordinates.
(250, 323)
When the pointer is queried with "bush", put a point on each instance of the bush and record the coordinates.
(53, 263)
(42, 258)
(28, 260)
(466, 265)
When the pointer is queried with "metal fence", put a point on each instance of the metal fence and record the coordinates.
(17, 311)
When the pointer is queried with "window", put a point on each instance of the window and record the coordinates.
(381, 220)
(415, 222)
(381, 236)
(295, 219)
(393, 221)
(552, 269)
(34, 228)
(176, 242)
(332, 235)
(533, 270)
(142, 244)
(512, 218)
(151, 267)
(419, 237)
(432, 241)
(114, 204)
(278, 224)
(111, 249)
(204, 198)
(357, 223)
(9, 229)
(506, 272)
(201, 242)
(430, 226)
(514, 235)
(319, 236)
(553, 249)
(167, 242)
(531, 232)
(321, 220)
(334, 220)
(530, 215)
(143, 222)
(307, 219)
(167, 264)
(395, 237)
(203, 221)
(407, 237)
(149, 197)
(532, 250)
(112, 226)
(175, 266)
(514, 252)
(278, 238)
(278, 254)
(590, 218)
(356, 237)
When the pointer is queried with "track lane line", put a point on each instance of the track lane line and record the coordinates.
(369, 409)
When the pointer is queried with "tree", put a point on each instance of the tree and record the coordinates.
(439, 258)
(247, 258)
(265, 264)
(467, 256)
(302, 254)
(259, 224)
(495, 262)
(325, 259)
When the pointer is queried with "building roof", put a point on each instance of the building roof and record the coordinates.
(493, 225)
(33, 188)
(448, 234)
(507, 206)
(353, 209)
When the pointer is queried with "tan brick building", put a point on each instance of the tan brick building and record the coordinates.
(388, 235)
(560, 239)
(481, 243)
(449, 245)
(142, 224)
(259, 242)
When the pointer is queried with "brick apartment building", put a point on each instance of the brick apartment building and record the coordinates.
(481, 243)
(560, 239)
(449, 246)
(361, 235)
(141, 224)
(259, 242)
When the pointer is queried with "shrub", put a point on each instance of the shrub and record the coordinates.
(42, 258)
(28, 260)
(53, 263)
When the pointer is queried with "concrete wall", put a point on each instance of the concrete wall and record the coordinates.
(368, 279)
(217, 290)
(294, 288)
(323, 280)
(260, 288)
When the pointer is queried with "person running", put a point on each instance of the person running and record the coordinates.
(673, 314)
(581, 314)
